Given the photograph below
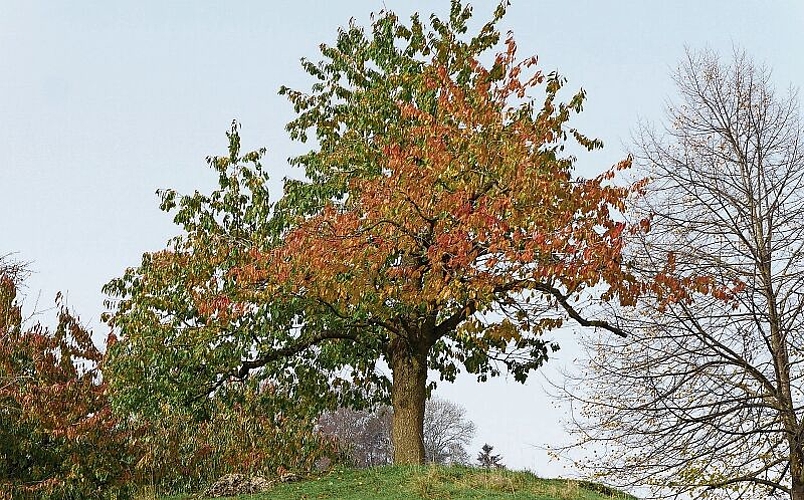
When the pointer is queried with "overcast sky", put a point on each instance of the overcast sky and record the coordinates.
(102, 103)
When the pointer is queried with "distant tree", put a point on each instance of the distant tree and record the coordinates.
(58, 437)
(705, 398)
(367, 435)
(487, 460)
(447, 432)
(364, 436)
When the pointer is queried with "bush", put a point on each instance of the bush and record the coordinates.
(246, 431)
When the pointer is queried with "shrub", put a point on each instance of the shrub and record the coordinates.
(58, 437)
(245, 431)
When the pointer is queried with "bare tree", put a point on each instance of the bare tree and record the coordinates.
(447, 432)
(366, 436)
(704, 398)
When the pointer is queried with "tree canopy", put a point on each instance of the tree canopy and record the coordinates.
(440, 226)
(58, 437)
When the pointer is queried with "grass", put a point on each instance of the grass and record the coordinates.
(434, 483)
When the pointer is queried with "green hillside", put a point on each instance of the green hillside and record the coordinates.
(436, 483)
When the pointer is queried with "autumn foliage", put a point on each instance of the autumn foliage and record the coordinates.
(58, 438)
(472, 202)
(452, 228)
(440, 226)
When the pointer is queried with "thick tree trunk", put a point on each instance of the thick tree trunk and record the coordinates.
(797, 492)
(408, 397)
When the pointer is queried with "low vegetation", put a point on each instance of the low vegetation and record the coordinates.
(436, 483)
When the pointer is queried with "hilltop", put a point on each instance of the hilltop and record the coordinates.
(435, 483)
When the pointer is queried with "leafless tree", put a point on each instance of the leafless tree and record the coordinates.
(447, 432)
(364, 435)
(367, 435)
(704, 398)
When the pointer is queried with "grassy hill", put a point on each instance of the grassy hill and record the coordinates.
(435, 483)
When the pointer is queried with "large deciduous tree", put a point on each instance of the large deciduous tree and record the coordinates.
(440, 224)
(705, 396)
(441, 218)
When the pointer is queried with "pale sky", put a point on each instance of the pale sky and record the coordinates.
(102, 103)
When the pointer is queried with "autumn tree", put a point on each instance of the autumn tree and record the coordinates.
(58, 438)
(439, 226)
(705, 396)
(441, 218)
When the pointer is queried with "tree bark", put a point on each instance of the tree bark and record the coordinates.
(797, 490)
(408, 360)
(796, 460)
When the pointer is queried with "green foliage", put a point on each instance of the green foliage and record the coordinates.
(245, 434)
(360, 82)
(187, 324)
(58, 438)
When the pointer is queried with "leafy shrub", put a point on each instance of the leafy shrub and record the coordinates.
(58, 437)
(246, 431)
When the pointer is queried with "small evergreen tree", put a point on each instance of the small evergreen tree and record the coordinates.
(487, 460)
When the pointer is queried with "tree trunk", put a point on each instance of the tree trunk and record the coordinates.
(797, 492)
(796, 471)
(408, 396)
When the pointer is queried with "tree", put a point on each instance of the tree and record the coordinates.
(440, 219)
(367, 435)
(487, 460)
(447, 432)
(58, 438)
(440, 224)
(364, 436)
(705, 397)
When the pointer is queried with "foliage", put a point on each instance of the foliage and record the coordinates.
(705, 396)
(247, 434)
(441, 220)
(365, 436)
(440, 226)
(58, 438)
(437, 482)
(188, 327)
(449, 199)
(487, 460)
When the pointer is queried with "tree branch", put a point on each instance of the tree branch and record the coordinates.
(563, 301)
